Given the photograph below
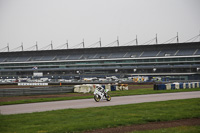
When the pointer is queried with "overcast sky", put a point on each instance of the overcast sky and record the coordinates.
(29, 21)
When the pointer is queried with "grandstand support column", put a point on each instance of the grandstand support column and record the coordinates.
(36, 46)
(83, 44)
(67, 44)
(117, 41)
(199, 35)
(51, 45)
(100, 42)
(136, 40)
(156, 39)
(177, 38)
(8, 47)
(22, 47)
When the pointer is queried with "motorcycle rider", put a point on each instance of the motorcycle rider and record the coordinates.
(101, 89)
(101, 93)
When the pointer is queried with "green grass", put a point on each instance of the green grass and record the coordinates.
(77, 120)
(180, 129)
(113, 94)
(45, 100)
(148, 91)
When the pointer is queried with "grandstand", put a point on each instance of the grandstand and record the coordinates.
(174, 60)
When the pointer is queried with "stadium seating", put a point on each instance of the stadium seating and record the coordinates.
(149, 54)
(183, 52)
(133, 54)
(22, 59)
(46, 58)
(74, 57)
(167, 52)
(197, 52)
(60, 57)
(117, 55)
(102, 55)
(87, 56)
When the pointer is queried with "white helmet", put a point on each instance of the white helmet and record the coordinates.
(97, 86)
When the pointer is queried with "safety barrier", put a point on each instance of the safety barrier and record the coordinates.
(35, 91)
(173, 86)
(32, 84)
(86, 88)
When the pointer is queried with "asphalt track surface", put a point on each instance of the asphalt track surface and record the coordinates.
(86, 103)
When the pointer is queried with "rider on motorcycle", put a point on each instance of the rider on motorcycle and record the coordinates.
(101, 93)
(101, 89)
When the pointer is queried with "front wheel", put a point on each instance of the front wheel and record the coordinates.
(97, 98)
(108, 97)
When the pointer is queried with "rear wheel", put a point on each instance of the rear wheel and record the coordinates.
(97, 98)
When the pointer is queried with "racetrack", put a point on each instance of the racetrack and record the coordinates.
(85, 103)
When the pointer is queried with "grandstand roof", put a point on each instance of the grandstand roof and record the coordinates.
(156, 50)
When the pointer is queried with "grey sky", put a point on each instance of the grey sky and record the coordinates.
(29, 21)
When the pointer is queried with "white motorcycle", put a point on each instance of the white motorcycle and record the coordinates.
(101, 94)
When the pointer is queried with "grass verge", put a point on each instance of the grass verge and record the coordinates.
(180, 129)
(113, 94)
(149, 91)
(77, 120)
(45, 100)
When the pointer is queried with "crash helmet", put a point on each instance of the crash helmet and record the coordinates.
(98, 86)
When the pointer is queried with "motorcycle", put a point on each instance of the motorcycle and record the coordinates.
(101, 94)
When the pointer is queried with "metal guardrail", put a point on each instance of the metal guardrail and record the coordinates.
(35, 91)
